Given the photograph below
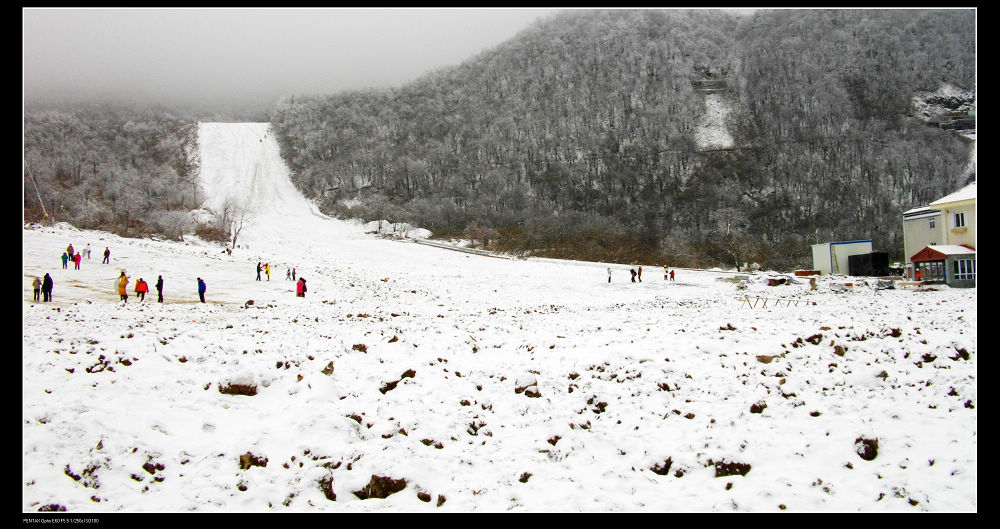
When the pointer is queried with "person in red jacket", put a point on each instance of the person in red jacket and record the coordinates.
(76, 260)
(141, 288)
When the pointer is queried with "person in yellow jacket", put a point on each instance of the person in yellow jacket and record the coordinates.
(123, 286)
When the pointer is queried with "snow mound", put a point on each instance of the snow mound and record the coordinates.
(398, 229)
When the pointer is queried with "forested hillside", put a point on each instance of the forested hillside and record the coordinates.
(577, 136)
(121, 168)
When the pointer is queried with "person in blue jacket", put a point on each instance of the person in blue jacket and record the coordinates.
(201, 289)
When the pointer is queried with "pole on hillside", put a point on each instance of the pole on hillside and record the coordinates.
(37, 194)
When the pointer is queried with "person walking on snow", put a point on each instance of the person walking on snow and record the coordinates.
(640, 274)
(609, 274)
(300, 287)
(159, 289)
(140, 289)
(123, 286)
(259, 267)
(201, 290)
(293, 273)
(86, 251)
(47, 288)
(671, 275)
(633, 274)
(288, 274)
(666, 273)
(107, 255)
(267, 270)
(36, 287)
(76, 260)
(64, 260)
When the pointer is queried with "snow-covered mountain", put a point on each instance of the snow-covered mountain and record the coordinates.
(460, 382)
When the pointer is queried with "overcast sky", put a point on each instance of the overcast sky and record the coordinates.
(231, 56)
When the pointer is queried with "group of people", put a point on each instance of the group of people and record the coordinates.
(141, 287)
(290, 275)
(43, 287)
(69, 256)
(668, 275)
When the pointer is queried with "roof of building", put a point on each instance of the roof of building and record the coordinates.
(940, 252)
(921, 212)
(951, 249)
(966, 193)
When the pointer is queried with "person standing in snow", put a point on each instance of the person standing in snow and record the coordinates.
(288, 274)
(69, 251)
(609, 274)
(159, 289)
(267, 270)
(259, 268)
(123, 286)
(76, 260)
(671, 275)
(36, 286)
(141, 288)
(201, 290)
(633, 274)
(640, 274)
(86, 251)
(47, 288)
(298, 289)
(64, 260)
(107, 255)
(293, 273)
(666, 273)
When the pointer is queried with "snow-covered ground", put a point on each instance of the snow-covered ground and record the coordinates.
(476, 383)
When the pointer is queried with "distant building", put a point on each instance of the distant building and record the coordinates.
(832, 257)
(943, 226)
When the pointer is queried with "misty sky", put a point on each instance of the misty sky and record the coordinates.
(228, 56)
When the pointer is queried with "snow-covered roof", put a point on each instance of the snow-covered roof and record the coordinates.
(966, 193)
(951, 249)
(915, 212)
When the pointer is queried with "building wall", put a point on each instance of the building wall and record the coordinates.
(824, 255)
(959, 235)
(950, 279)
(918, 234)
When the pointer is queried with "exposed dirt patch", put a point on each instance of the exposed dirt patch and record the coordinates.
(248, 460)
(238, 389)
(326, 485)
(723, 468)
(664, 468)
(866, 449)
(758, 407)
(524, 477)
(380, 487)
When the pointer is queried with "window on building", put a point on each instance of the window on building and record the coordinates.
(965, 268)
(959, 220)
(931, 224)
(932, 271)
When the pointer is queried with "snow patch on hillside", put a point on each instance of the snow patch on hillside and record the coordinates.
(712, 131)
